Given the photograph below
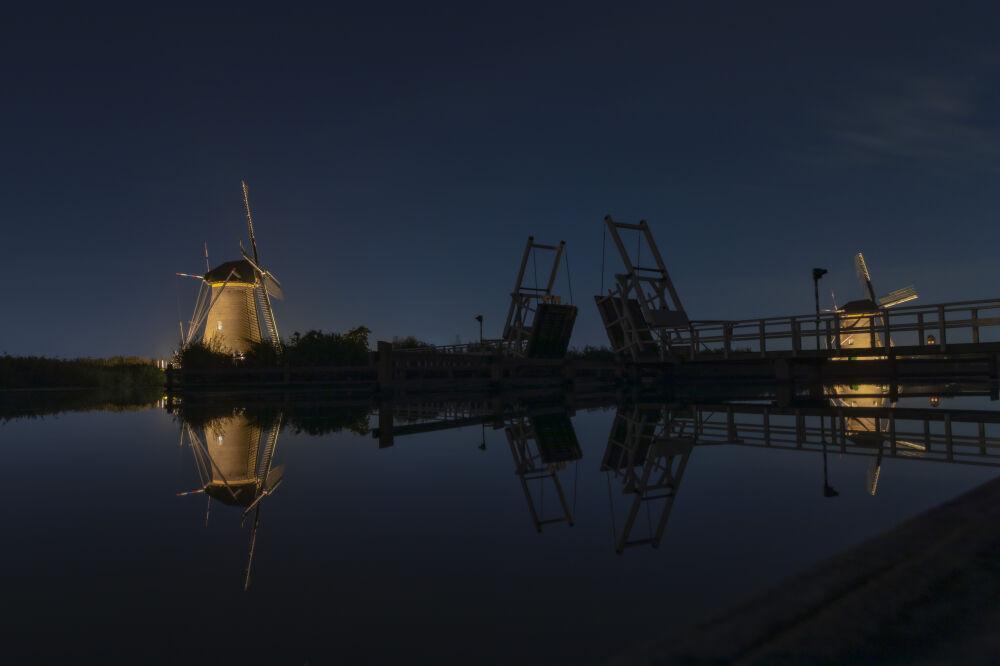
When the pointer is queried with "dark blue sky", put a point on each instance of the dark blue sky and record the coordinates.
(399, 155)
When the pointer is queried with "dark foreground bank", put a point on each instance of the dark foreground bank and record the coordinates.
(923, 593)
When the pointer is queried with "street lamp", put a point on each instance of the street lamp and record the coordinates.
(817, 274)
(479, 318)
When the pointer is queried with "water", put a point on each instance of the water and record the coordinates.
(424, 551)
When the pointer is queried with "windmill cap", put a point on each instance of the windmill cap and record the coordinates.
(243, 272)
(245, 492)
(860, 306)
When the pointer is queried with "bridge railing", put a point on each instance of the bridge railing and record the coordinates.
(965, 437)
(942, 324)
(486, 347)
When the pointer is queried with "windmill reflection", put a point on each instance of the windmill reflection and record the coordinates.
(870, 430)
(234, 457)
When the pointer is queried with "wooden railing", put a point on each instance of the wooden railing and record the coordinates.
(940, 325)
(960, 436)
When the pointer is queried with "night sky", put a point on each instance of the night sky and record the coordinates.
(398, 156)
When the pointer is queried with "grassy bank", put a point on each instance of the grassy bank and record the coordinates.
(119, 373)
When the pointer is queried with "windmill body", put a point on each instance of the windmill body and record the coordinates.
(232, 321)
(233, 446)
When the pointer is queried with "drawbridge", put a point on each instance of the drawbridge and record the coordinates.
(645, 320)
(539, 324)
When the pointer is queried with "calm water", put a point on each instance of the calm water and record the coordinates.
(424, 551)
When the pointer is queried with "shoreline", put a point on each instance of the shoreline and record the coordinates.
(923, 592)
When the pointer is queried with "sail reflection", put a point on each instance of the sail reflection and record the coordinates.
(869, 431)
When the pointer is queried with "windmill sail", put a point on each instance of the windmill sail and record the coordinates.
(273, 286)
(864, 277)
(898, 296)
(267, 285)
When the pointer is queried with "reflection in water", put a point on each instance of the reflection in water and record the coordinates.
(542, 443)
(647, 452)
(234, 460)
(869, 430)
(645, 457)
(649, 445)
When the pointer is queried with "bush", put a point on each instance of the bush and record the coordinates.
(203, 356)
(410, 342)
(319, 348)
(313, 348)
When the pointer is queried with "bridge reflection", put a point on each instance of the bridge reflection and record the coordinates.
(651, 441)
(646, 453)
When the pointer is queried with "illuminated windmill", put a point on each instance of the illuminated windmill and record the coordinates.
(860, 322)
(234, 302)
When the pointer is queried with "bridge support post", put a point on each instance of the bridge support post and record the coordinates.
(385, 383)
(384, 424)
(782, 370)
(568, 372)
(496, 371)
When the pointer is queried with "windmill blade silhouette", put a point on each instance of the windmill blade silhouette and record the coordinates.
(864, 277)
(268, 285)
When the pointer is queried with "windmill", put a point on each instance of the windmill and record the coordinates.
(233, 308)
(859, 324)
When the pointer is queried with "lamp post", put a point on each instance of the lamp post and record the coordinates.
(817, 274)
(479, 318)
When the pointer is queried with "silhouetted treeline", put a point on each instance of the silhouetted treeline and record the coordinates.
(592, 353)
(120, 372)
(410, 342)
